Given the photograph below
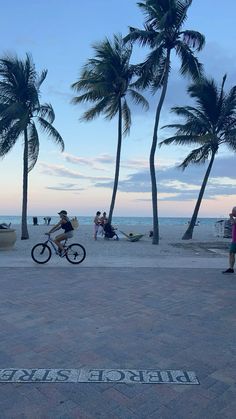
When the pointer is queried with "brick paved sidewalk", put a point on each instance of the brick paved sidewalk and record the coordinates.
(119, 318)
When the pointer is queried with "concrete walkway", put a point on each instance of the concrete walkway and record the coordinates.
(149, 318)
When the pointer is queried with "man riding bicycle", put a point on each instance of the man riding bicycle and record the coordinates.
(66, 225)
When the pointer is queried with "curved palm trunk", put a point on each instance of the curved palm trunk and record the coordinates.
(24, 229)
(117, 170)
(155, 239)
(189, 232)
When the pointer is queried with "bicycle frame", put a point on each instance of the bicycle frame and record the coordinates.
(49, 240)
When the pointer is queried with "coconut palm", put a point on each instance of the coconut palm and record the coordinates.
(163, 33)
(210, 124)
(106, 81)
(20, 108)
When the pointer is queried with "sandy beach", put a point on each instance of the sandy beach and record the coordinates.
(204, 250)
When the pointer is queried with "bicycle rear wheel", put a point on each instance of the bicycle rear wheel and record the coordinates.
(41, 253)
(75, 253)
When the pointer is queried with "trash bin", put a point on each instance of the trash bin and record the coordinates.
(35, 221)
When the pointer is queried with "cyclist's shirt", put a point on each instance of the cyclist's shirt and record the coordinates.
(67, 226)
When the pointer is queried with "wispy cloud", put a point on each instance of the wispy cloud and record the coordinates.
(65, 187)
(62, 171)
(97, 163)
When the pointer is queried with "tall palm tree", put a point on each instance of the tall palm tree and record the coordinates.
(163, 33)
(106, 81)
(20, 108)
(210, 124)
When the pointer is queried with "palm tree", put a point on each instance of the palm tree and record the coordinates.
(106, 81)
(19, 109)
(210, 124)
(163, 33)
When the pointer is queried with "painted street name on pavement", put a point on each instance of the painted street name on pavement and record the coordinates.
(86, 375)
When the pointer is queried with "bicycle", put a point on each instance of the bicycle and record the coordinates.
(41, 253)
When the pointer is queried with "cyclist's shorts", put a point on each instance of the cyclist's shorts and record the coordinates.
(68, 234)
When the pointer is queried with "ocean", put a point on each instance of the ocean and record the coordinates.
(83, 220)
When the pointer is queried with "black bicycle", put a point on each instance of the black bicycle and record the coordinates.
(41, 253)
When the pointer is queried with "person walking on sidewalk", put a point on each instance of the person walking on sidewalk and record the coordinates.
(232, 249)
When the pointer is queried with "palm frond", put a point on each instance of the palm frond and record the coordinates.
(138, 98)
(197, 156)
(189, 63)
(96, 110)
(51, 131)
(193, 39)
(194, 116)
(126, 115)
(186, 140)
(143, 36)
(46, 111)
(112, 107)
(9, 138)
(33, 146)
(151, 72)
(41, 78)
(205, 93)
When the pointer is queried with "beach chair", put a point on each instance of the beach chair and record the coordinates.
(132, 237)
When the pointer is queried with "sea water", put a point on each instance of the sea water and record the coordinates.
(88, 220)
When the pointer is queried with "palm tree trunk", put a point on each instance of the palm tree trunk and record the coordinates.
(24, 229)
(117, 170)
(189, 232)
(155, 239)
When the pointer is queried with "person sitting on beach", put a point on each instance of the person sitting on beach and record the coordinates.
(66, 225)
(97, 223)
(232, 249)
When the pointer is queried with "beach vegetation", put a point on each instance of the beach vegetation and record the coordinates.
(106, 81)
(163, 34)
(20, 113)
(210, 124)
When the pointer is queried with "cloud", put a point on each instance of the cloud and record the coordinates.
(77, 160)
(182, 185)
(65, 187)
(90, 161)
(62, 171)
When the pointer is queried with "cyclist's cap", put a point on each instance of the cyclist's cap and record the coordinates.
(63, 212)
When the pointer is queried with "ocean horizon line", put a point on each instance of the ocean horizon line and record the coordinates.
(122, 220)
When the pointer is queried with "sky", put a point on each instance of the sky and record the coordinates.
(59, 34)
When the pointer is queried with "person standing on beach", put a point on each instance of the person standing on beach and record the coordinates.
(97, 223)
(232, 249)
(66, 225)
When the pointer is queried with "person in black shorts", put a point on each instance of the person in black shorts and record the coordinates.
(66, 225)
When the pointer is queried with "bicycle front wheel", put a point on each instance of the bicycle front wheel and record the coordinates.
(41, 253)
(76, 253)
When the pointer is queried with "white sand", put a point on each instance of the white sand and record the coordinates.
(171, 252)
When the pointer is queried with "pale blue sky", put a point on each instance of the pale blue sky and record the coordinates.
(59, 35)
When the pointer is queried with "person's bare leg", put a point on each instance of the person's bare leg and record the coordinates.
(231, 260)
(58, 240)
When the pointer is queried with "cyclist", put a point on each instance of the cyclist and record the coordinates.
(66, 225)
